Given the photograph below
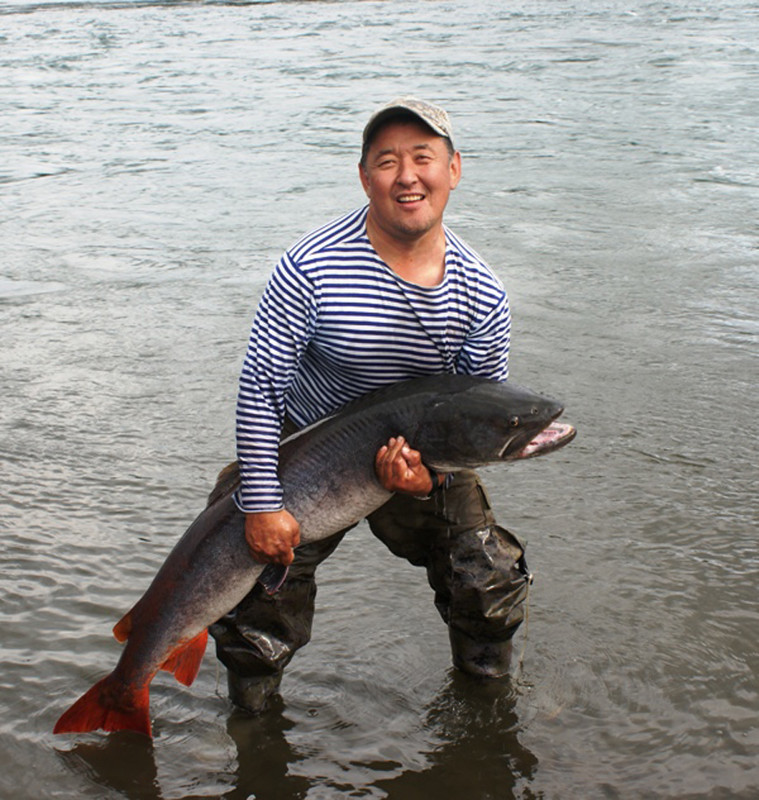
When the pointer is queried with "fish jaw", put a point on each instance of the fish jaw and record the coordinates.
(556, 435)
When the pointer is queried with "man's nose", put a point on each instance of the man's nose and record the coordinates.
(406, 172)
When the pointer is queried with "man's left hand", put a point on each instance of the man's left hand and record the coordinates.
(400, 469)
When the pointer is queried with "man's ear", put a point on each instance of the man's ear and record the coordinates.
(455, 167)
(364, 178)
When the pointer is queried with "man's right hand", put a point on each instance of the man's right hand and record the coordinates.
(272, 536)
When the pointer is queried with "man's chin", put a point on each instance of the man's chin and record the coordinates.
(413, 228)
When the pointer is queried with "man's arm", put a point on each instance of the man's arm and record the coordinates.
(486, 349)
(278, 337)
(280, 332)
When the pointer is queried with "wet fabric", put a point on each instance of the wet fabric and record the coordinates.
(475, 567)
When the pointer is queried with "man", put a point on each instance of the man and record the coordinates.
(379, 295)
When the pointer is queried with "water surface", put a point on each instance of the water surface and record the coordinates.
(155, 159)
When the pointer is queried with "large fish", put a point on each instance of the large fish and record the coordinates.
(329, 482)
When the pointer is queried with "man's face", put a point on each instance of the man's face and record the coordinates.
(408, 176)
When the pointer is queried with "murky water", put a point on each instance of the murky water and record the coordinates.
(154, 161)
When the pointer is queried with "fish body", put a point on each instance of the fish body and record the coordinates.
(329, 483)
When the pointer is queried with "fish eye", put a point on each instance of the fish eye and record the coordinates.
(514, 422)
(534, 411)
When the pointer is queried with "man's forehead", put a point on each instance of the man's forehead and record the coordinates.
(407, 134)
(393, 148)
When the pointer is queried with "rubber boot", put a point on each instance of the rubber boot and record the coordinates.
(483, 659)
(253, 694)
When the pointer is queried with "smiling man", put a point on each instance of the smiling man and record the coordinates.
(384, 293)
(408, 173)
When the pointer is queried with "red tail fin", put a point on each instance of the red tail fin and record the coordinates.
(108, 705)
(184, 662)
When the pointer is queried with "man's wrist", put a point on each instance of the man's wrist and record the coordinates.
(435, 478)
(437, 484)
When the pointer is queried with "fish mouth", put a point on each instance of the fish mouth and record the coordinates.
(556, 435)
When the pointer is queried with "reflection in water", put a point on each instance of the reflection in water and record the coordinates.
(264, 756)
(470, 722)
(476, 724)
(124, 761)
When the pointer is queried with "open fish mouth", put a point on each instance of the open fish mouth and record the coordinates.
(556, 435)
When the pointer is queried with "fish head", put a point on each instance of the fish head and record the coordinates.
(488, 422)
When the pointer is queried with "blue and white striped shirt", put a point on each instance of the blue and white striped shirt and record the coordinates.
(336, 322)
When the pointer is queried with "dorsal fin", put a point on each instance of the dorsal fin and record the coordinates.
(227, 481)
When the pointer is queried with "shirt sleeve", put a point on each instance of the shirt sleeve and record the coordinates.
(282, 328)
(486, 349)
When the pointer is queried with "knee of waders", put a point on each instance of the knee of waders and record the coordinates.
(488, 585)
(260, 636)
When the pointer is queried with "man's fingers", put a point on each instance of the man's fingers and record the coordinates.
(388, 453)
(400, 468)
(413, 457)
(281, 554)
(394, 447)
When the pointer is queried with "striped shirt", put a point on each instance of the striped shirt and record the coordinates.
(336, 322)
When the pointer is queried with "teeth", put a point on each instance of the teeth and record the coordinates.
(410, 198)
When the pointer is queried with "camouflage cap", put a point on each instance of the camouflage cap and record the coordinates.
(431, 115)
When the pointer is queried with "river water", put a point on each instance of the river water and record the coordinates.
(155, 158)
